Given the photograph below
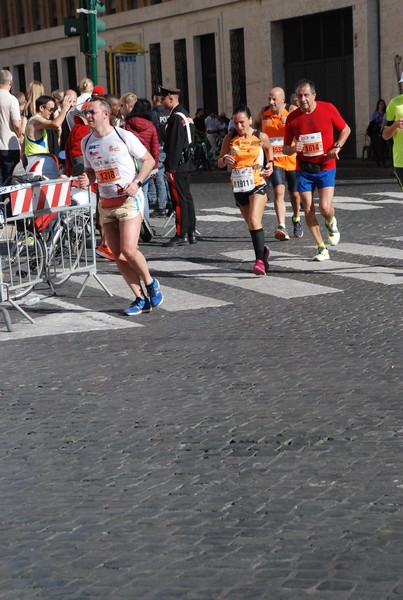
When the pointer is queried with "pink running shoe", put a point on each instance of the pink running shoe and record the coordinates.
(259, 268)
(266, 258)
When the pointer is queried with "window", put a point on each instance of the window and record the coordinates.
(238, 75)
(54, 75)
(37, 71)
(19, 75)
(155, 66)
(181, 70)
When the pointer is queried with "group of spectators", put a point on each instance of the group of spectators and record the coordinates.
(211, 129)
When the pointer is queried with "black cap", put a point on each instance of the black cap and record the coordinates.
(168, 91)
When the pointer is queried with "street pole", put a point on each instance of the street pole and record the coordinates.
(92, 41)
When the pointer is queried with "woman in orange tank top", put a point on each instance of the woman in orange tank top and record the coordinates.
(250, 155)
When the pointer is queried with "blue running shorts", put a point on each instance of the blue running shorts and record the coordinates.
(307, 181)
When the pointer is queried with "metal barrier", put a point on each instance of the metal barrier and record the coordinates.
(46, 240)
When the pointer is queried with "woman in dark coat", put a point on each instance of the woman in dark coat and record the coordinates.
(139, 121)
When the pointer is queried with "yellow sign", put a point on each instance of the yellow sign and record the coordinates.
(130, 48)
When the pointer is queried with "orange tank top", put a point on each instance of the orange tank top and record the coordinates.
(249, 156)
(274, 127)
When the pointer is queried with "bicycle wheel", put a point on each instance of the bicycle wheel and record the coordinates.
(25, 265)
(66, 245)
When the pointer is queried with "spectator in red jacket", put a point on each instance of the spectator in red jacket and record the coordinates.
(74, 156)
(73, 145)
(139, 121)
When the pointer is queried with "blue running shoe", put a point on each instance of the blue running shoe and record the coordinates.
(154, 292)
(297, 228)
(140, 305)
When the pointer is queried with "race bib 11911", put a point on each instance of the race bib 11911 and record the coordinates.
(242, 180)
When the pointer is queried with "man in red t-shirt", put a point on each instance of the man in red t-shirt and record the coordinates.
(312, 126)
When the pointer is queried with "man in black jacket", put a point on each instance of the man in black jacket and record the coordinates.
(179, 141)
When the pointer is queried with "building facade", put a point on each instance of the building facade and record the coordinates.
(219, 52)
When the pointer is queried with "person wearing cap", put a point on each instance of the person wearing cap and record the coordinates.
(98, 90)
(394, 129)
(178, 165)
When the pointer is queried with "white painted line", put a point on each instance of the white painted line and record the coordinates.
(350, 199)
(355, 206)
(249, 255)
(226, 210)
(383, 275)
(376, 274)
(218, 218)
(175, 300)
(76, 319)
(385, 193)
(367, 250)
(279, 287)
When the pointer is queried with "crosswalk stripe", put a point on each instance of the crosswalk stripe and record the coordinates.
(70, 319)
(279, 287)
(367, 250)
(385, 193)
(175, 300)
(348, 204)
(218, 218)
(226, 210)
(373, 274)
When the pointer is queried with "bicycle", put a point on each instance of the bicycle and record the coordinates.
(47, 247)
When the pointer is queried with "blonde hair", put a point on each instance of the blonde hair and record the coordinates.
(86, 85)
(58, 95)
(35, 89)
(129, 98)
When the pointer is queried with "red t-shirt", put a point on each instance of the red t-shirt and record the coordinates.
(316, 131)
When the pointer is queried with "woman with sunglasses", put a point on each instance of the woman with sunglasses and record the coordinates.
(36, 138)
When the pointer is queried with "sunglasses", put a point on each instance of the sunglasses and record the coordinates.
(92, 112)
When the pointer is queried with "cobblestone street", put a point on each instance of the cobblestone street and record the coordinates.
(241, 442)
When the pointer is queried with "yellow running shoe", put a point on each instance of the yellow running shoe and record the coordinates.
(322, 254)
(333, 234)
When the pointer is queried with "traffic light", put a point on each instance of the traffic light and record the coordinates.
(84, 42)
(87, 27)
(72, 26)
(95, 24)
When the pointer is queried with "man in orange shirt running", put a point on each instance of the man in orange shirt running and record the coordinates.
(273, 124)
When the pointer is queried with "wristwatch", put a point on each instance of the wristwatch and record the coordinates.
(139, 183)
(337, 145)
